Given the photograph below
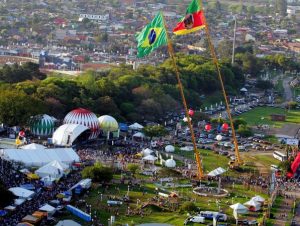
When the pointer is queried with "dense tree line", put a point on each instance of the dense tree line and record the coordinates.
(146, 93)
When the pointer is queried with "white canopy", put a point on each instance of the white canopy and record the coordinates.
(47, 208)
(139, 134)
(216, 172)
(147, 151)
(187, 148)
(53, 169)
(67, 223)
(33, 146)
(239, 208)
(66, 134)
(169, 148)
(170, 163)
(258, 198)
(21, 192)
(136, 126)
(243, 89)
(254, 204)
(150, 158)
(40, 157)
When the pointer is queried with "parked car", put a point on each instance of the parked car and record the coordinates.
(194, 219)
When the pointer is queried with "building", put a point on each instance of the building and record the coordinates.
(93, 17)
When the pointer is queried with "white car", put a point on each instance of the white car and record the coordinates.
(195, 219)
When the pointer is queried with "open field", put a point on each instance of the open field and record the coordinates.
(261, 115)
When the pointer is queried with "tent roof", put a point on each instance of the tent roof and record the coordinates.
(147, 151)
(187, 148)
(47, 208)
(258, 198)
(39, 158)
(169, 148)
(138, 134)
(252, 203)
(239, 208)
(21, 192)
(66, 134)
(58, 165)
(48, 170)
(243, 89)
(150, 158)
(67, 223)
(136, 126)
(216, 172)
(33, 146)
(170, 163)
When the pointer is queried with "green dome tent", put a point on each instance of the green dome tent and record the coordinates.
(42, 125)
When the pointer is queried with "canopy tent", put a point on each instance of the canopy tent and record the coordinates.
(258, 198)
(66, 134)
(187, 148)
(50, 170)
(139, 135)
(21, 192)
(31, 219)
(67, 223)
(239, 208)
(33, 146)
(243, 89)
(147, 151)
(169, 148)
(18, 202)
(170, 163)
(40, 158)
(24, 224)
(253, 205)
(10, 208)
(216, 172)
(136, 126)
(150, 158)
(48, 208)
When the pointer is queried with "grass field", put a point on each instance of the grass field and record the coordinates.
(261, 115)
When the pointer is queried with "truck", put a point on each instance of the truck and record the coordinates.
(194, 219)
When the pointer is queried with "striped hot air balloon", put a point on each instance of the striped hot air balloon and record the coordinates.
(42, 125)
(86, 118)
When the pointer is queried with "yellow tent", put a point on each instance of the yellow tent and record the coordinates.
(33, 176)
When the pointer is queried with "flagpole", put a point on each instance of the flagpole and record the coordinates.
(238, 159)
(172, 55)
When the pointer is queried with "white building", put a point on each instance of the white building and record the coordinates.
(93, 17)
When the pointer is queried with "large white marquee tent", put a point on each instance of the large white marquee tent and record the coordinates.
(66, 134)
(40, 157)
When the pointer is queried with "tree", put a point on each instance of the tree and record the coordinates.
(16, 107)
(154, 131)
(98, 173)
(244, 131)
(189, 207)
(264, 85)
(225, 48)
(281, 7)
(238, 122)
(133, 168)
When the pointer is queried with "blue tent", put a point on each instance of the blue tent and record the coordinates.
(28, 186)
(2, 213)
(123, 127)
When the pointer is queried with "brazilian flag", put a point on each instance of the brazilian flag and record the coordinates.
(152, 36)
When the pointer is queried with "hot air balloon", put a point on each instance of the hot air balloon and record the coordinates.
(225, 126)
(191, 112)
(207, 127)
(86, 118)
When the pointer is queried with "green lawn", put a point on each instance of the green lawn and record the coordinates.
(261, 115)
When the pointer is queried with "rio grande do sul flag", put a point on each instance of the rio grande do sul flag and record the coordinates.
(193, 21)
(152, 36)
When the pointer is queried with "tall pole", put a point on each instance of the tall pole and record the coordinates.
(234, 39)
(238, 160)
(172, 55)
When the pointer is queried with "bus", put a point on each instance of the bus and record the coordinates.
(280, 156)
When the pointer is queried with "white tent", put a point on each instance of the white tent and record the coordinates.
(33, 146)
(48, 208)
(66, 134)
(40, 158)
(147, 151)
(67, 223)
(169, 148)
(139, 135)
(258, 198)
(170, 163)
(253, 205)
(216, 172)
(239, 208)
(243, 89)
(187, 148)
(150, 158)
(53, 169)
(136, 126)
(21, 192)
